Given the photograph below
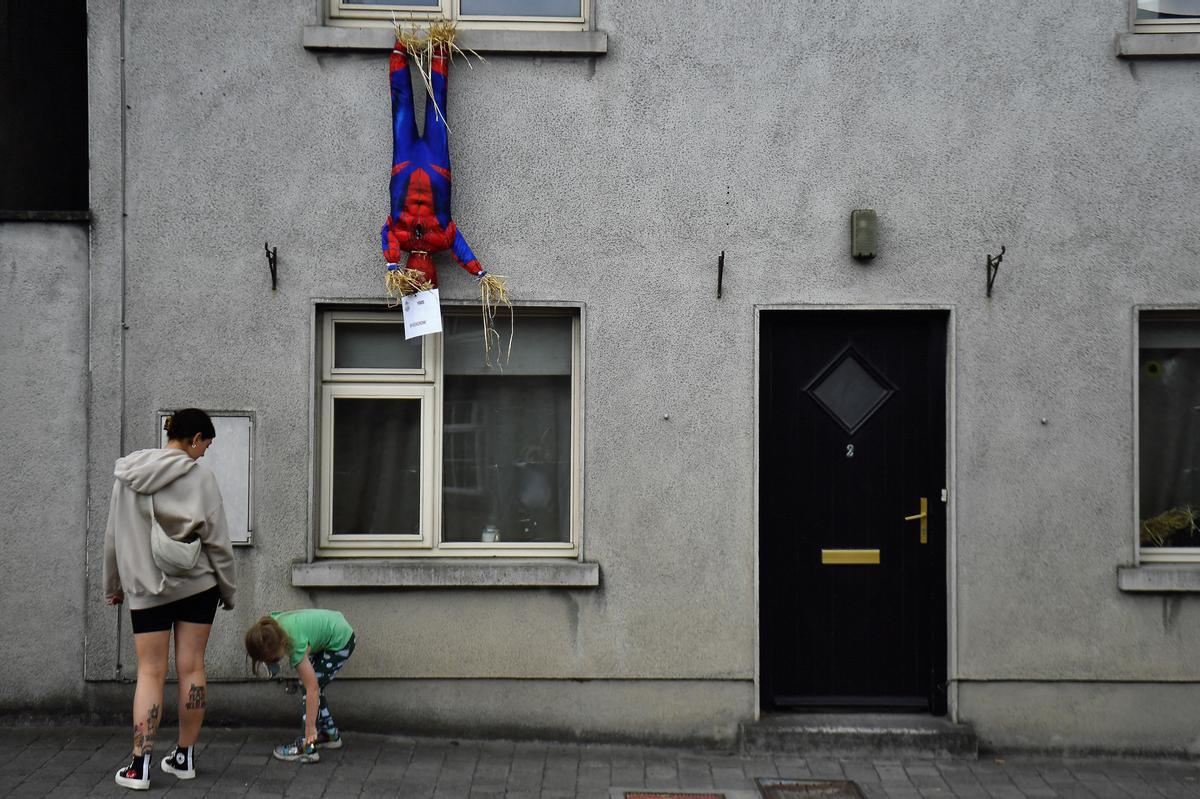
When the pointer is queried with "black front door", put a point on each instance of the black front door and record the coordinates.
(852, 432)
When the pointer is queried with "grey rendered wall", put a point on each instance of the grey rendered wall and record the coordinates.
(614, 182)
(235, 135)
(43, 327)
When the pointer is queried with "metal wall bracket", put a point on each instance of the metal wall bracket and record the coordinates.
(993, 266)
(272, 260)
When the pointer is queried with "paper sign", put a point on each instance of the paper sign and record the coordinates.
(422, 314)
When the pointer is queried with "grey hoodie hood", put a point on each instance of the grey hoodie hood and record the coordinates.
(186, 504)
(149, 470)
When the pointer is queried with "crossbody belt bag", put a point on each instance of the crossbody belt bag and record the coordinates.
(174, 558)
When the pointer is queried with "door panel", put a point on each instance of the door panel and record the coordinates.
(852, 433)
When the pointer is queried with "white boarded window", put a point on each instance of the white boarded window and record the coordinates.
(231, 460)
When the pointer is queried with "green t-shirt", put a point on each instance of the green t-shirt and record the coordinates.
(318, 630)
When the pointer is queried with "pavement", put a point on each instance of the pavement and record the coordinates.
(81, 761)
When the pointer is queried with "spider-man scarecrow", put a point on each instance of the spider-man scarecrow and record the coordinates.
(420, 223)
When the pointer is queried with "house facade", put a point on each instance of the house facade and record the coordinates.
(753, 449)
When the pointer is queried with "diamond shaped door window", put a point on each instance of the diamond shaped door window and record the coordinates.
(850, 390)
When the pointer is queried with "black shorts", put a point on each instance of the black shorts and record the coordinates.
(195, 609)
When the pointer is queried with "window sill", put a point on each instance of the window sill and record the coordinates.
(1158, 45)
(326, 37)
(45, 216)
(1159, 578)
(449, 573)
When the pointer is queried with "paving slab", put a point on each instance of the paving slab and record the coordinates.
(80, 762)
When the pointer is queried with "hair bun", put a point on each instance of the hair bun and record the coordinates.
(184, 424)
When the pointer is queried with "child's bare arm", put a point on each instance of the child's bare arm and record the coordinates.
(312, 696)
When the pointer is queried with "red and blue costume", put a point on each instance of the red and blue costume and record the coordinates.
(420, 223)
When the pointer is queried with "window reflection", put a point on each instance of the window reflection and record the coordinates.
(1168, 9)
(506, 446)
(376, 466)
(1169, 432)
(521, 8)
(408, 4)
(365, 345)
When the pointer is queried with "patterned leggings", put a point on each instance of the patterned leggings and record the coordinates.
(326, 665)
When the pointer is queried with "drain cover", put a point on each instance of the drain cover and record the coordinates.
(772, 788)
(671, 795)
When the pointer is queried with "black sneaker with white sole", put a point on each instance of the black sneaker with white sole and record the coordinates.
(181, 762)
(137, 774)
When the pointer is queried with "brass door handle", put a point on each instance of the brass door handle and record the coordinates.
(923, 517)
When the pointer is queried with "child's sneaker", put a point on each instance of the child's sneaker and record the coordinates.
(298, 750)
(137, 774)
(329, 739)
(180, 762)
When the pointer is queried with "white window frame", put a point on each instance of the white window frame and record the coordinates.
(427, 386)
(1191, 25)
(344, 12)
(1150, 554)
(363, 542)
(328, 372)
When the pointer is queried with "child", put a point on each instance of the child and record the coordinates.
(316, 643)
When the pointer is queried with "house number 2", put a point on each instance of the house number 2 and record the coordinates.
(849, 450)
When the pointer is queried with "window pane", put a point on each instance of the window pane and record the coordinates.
(364, 345)
(850, 393)
(541, 345)
(1169, 432)
(1168, 9)
(392, 3)
(506, 450)
(44, 85)
(376, 466)
(521, 8)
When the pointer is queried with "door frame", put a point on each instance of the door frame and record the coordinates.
(950, 481)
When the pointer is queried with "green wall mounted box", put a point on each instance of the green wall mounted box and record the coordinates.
(864, 233)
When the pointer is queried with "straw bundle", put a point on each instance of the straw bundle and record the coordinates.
(1157, 530)
(494, 293)
(400, 282)
(423, 43)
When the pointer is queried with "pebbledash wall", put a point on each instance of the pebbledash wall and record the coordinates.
(610, 182)
(43, 471)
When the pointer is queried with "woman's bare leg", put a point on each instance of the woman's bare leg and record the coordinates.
(190, 643)
(152, 651)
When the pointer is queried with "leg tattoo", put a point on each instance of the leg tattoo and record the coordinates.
(143, 734)
(151, 730)
(196, 698)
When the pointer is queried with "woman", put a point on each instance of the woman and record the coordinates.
(167, 486)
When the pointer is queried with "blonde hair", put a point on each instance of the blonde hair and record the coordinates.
(266, 642)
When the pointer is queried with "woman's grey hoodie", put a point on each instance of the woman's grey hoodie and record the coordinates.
(187, 503)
